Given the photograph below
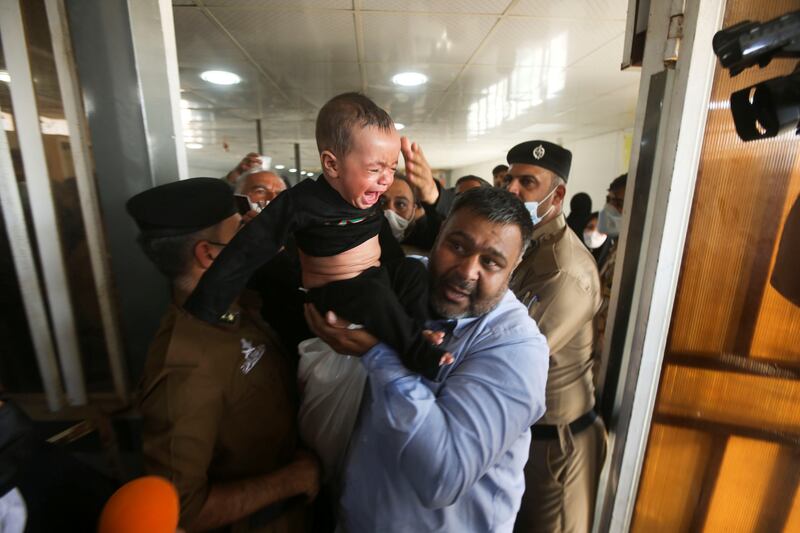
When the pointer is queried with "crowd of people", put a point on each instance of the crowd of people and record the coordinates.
(371, 351)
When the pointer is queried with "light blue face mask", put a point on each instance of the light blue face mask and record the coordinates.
(533, 208)
(609, 221)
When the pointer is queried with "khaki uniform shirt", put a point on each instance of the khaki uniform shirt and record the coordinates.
(218, 404)
(558, 282)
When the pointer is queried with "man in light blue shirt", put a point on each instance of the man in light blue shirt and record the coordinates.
(448, 455)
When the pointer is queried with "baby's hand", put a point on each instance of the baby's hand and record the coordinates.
(436, 338)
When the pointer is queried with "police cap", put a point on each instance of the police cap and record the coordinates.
(542, 154)
(182, 207)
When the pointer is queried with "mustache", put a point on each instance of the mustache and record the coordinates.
(457, 282)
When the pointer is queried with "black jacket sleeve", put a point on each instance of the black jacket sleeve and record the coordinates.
(255, 244)
(390, 248)
(426, 229)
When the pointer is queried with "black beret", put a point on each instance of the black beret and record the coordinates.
(182, 207)
(542, 154)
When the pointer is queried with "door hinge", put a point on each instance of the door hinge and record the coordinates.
(673, 44)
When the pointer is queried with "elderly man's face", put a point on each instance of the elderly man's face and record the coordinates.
(263, 187)
(471, 263)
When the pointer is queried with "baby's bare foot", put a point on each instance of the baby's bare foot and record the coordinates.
(447, 359)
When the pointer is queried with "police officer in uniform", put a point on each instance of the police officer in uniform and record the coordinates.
(558, 282)
(218, 401)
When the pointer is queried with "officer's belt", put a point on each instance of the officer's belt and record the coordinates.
(546, 431)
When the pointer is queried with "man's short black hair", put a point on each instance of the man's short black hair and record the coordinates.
(619, 183)
(498, 206)
(498, 169)
(470, 177)
(171, 254)
(402, 177)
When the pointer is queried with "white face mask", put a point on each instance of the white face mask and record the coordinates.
(594, 239)
(398, 224)
(533, 208)
(609, 221)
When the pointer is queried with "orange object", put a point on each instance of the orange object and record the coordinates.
(145, 505)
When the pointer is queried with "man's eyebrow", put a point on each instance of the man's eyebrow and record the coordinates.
(490, 250)
(494, 253)
(462, 234)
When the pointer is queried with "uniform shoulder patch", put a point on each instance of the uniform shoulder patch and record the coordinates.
(251, 355)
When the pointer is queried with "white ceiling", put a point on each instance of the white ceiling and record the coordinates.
(499, 72)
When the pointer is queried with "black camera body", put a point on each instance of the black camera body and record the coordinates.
(771, 107)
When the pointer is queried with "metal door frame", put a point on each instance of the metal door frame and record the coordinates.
(57, 293)
(657, 267)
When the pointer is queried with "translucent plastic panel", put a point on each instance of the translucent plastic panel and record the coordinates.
(732, 366)
(742, 498)
(676, 459)
(767, 403)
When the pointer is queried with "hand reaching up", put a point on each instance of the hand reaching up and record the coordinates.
(418, 171)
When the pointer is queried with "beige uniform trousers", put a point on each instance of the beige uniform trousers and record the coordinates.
(561, 481)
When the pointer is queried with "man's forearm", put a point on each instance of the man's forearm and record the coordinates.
(228, 502)
(497, 393)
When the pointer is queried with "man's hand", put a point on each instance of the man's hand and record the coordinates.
(249, 161)
(308, 473)
(250, 215)
(335, 332)
(418, 171)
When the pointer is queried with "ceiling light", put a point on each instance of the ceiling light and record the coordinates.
(399, 126)
(292, 170)
(220, 77)
(4, 76)
(280, 167)
(409, 79)
(194, 146)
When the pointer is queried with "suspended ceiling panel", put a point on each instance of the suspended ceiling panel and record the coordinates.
(499, 72)
(572, 9)
(437, 6)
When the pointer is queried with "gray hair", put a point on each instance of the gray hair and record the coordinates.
(239, 186)
(498, 206)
